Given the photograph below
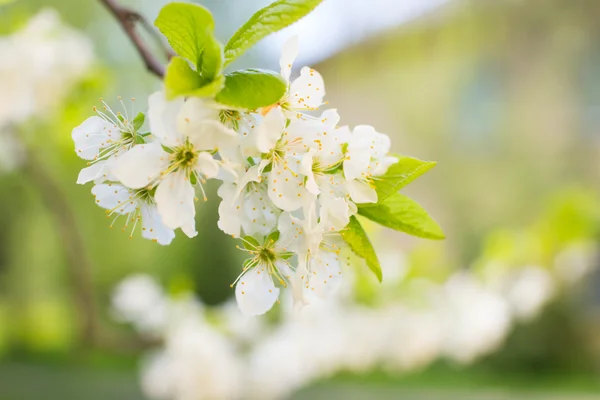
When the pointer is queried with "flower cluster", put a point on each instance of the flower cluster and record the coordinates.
(291, 178)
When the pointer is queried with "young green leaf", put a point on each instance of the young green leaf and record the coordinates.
(398, 175)
(356, 237)
(212, 59)
(182, 80)
(186, 27)
(250, 89)
(272, 18)
(405, 215)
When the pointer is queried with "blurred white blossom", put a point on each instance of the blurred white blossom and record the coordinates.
(39, 65)
(227, 355)
(140, 301)
(475, 319)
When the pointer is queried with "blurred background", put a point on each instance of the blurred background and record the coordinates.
(503, 94)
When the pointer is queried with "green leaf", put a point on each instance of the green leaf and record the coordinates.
(272, 18)
(182, 80)
(212, 59)
(250, 243)
(186, 27)
(210, 89)
(356, 237)
(399, 175)
(138, 121)
(250, 89)
(405, 215)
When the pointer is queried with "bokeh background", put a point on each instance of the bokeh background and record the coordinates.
(503, 94)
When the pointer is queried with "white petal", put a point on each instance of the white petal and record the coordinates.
(330, 118)
(229, 171)
(288, 226)
(383, 165)
(153, 227)
(252, 175)
(175, 202)
(286, 188)
(206, 165)
(229, 221)
(306, 167)
(356, 163)
(258, 216)
(325, 275)
(255, 292)
(288, 56)
(361, 192)
(213, 135)
(308, 90)
(114, 197)
(335, 212)
(162, 115)
(302, 236)
(193, 113)
(247, 127)
(97, 172)
(298, 281)
(92, 135)
(269, 130)
(141, 165)
(201, 125)
(190, 229)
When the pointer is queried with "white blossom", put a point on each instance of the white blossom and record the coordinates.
(101, 139)
(136, 206)
(306, 92)
(140, 300)
(366, 158)
(191, 130)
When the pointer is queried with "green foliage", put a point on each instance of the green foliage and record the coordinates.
(398, 175)
(357, 239)
(212, 59)
(182, 80)
(250, 89)
(198, 71)
(272, 18)
(405, 215)
(187, 27)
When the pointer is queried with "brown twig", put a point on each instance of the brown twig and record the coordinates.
(128, 19)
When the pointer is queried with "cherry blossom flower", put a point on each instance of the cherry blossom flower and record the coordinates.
(136, 206)
(188, 134)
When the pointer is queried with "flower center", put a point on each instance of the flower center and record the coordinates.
(185, 157)
(145, 195)
(230, 118)
(266, 256)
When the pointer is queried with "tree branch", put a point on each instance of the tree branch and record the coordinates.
(71, 238)
(127, 19)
